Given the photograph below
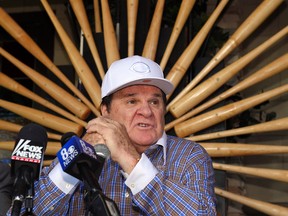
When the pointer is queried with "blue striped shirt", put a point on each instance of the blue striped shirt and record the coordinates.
(184, 185)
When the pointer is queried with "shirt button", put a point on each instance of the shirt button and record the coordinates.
(126, 194)
(132, 185)
(51, 208)
(68, 186)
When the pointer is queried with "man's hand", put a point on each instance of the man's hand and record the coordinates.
(106, 131)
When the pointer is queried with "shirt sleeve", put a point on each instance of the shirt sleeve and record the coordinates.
(141, 175)
(65, 182)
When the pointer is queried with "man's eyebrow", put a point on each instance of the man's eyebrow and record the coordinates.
(129, 94)
(157, 95)
(134, 94)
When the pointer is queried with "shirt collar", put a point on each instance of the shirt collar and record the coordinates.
(161, 142)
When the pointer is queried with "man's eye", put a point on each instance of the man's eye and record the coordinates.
(131, 102)
(154, 102)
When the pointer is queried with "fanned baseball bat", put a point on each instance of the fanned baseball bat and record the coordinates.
(183, 13)
(81, 15)
(255, 19)
(179, 69)
(269, 70)
(51, 149)
(47, 162)
(261, 206)
(132, 11)
(12, 85)
(48, 120)
(274, 174)
(220, 114)
(13, 127)
(27, 42)
(206, 88)
(55, 91)
(86, 75)
(110, 40)
(274, 125)
(97, 17)
(9, 126)
(151, 43)
(241, 149)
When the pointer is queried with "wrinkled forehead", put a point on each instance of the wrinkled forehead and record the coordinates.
(140, 89)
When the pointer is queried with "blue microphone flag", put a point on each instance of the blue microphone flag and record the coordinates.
(76, 151)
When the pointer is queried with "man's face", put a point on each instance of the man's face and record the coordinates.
(140, 108)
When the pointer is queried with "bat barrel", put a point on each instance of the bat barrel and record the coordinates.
(220, 114)
(48, 120)
(275, 125)
(264, 207)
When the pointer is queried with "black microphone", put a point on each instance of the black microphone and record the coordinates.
(79, 159)
(26, 163)
(100, 149)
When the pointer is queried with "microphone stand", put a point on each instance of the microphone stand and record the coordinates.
(29, 200)
(18, 198)
(22, 185)
(96, 202)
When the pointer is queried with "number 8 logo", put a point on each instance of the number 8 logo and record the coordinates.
(64, 153)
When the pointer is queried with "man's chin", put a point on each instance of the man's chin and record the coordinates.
(142, 141)
(145, 138)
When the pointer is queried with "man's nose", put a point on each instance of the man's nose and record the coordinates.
(145, 109)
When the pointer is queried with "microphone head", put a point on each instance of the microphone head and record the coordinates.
(76, 151)
(102, 150)
(29, 149)
(65, 137)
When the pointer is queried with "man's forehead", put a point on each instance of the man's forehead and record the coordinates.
(139, 89)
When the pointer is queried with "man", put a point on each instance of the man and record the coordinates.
(6, 188)
(148, 172)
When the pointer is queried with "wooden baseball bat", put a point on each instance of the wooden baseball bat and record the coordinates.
(9, 126)
(206, 88)
(27, 42)
(220, 114)
(55, 91)
(151, 43)
(271, 69)
(274, 174)
(110, 40)
(13, 127)
(86, 75)
(261, 206)
(98, 27)
(47, 162)
(48, 120)
(12, 85)
(274, 125)
(183, 13)
(241, 149)
(81, 15)
(255, 19)
(51, 149)
(179, 69)
(132, 11)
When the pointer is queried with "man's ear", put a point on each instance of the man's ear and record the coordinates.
(104, 110)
